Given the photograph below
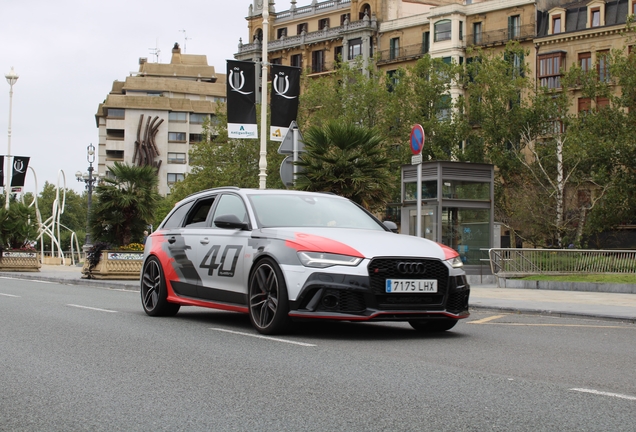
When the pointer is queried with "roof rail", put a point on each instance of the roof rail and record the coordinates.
(212, 189)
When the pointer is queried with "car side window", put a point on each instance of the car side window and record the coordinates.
(199, 213)
(231, 205)
(176, 218)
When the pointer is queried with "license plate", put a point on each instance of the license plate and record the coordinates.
(411, 286)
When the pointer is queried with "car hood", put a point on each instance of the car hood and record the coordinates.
(357, 242)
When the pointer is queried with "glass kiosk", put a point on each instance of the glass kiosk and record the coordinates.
(457, 205)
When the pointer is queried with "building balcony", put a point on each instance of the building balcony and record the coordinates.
(501, 36)
(410, 52)
(313, 9)
(325, 35)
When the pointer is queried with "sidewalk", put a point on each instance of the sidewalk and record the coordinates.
(601, 305)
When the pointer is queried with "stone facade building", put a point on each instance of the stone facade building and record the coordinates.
(156, 114)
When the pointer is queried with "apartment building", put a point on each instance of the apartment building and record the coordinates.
(396, 33)
(155, 115)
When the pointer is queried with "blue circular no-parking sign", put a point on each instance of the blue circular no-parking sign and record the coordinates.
(417, 139)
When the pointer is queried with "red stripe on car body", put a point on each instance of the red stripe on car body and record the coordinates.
(312, 243)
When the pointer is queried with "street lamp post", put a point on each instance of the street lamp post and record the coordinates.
(12, 78)
(90, 181)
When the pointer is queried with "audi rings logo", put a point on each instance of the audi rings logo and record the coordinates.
(411, 268)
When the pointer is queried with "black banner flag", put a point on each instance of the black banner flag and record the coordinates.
(241, 99)
(20, 164)
(284, 100)
(2, 171)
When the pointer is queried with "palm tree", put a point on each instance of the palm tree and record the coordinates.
(348, 160)
(124, 204)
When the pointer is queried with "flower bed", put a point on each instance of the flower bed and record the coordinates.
(20, 261)
(114, 264)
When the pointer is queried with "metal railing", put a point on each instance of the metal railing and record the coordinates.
(500, 36)
(402, 53)
(526, 262)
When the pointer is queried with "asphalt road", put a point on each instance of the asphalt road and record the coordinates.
(87, 358)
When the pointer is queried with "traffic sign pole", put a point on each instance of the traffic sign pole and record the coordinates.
(417, 144)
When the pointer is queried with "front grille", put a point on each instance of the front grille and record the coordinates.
(381, 269)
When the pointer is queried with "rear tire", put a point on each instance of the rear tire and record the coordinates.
(433, 326)
(154, 294)
(267, 298)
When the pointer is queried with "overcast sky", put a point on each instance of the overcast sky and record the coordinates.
(68, 53)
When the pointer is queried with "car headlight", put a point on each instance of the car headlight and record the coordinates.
(323, 260)
(455, 262)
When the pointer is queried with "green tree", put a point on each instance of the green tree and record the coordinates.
(124, 205)
(348, 160)
(219, 161)
(18, 225)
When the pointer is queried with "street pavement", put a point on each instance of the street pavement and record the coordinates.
(598, 305)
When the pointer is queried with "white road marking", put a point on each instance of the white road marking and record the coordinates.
(9, 295)
(264, 337)
(91, 308)
(602, 393)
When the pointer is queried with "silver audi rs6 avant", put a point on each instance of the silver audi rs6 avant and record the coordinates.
(282, 256)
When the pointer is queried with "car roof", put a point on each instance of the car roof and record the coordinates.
(251, 191)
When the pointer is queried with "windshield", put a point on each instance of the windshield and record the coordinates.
(287, 210)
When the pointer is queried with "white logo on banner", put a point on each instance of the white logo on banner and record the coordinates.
(241, 82)
(278, 78)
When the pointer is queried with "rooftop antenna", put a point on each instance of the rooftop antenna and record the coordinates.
(155, 51)
(185, 40)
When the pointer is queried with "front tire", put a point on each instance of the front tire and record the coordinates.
(433, 326)
(267, 297)
(154, 294)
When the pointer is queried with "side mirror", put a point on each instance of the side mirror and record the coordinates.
(391, 226)
(230, 221)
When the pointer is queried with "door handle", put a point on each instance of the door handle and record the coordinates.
(205, 241)
(172, 240)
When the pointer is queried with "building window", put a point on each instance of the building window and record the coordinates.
(477, 33)
(114, 155)
(297, 60)
(323, 24)
(602, 67)
(116, 113)
(443, 107)
(196, 118)
(443, 30)
(584, 105)
(355, 48)
(300, 28)
(556, 24)
(550, 69)
(514, 26)
(175, 177)
(366, 11)
(595, 17)
(602, 102)
(277, 61)
(177, 117)
(461, 30)
(154, 93)
(393, 80)
(281, 33)
(115, 134)
(343, 18)
(585, 61)
(196, 138)
(337, 54)
(426, 42)
(394, 48)
(516, 64)
(176, 136)
(176, 158)
(317, 61)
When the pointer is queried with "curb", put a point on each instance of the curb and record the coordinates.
(552, 313)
